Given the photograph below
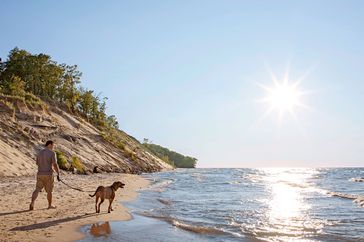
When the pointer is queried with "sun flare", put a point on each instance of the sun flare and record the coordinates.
(283, 96)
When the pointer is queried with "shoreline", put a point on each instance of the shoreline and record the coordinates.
(74, 209)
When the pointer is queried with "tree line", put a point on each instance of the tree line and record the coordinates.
(23, 73)
(169, 156)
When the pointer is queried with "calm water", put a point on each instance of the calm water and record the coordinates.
(244, 205)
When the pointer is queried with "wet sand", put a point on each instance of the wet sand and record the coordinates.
(74, 208)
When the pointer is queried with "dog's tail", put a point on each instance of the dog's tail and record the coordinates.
(94, 193)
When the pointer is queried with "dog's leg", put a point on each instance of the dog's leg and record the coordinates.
(102, 200)
(110, 202)
(97, 199)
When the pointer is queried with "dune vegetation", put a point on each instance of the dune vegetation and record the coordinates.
(44, 99)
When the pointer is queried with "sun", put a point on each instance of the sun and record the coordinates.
(284, 96)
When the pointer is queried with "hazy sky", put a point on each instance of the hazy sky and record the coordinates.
(184, 73)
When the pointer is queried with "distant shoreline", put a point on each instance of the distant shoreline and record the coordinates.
(74, 209)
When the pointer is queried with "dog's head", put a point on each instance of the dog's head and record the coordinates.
(118, 184)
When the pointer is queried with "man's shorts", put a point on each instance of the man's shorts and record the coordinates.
(45, 181)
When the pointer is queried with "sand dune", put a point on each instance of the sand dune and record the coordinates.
(24, 130)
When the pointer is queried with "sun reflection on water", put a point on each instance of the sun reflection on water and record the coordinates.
(286, 202)
(287, 210)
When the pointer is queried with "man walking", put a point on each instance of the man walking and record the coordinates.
(46, 159)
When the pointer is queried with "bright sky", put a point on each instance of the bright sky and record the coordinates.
(188, 74)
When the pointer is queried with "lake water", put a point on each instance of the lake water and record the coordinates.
(298, 204)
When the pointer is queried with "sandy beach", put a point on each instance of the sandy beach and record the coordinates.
(74, 208)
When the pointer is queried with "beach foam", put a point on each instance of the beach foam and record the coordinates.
(356, 198)
(357, 179)
(184, 225)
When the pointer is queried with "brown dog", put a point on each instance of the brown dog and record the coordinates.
(106, 193)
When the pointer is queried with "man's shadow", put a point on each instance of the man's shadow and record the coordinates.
(47, 224)
(14, 212)
(20, 211)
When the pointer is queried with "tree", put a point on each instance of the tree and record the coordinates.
(112, 122)
(67, 91)
(24, 73)
(86, 102)
(15, 87)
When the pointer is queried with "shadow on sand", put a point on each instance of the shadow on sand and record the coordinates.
(48, 224)
(14, 212)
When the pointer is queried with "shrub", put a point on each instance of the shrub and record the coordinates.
(10, 105)
(129, 153)
(31, 98)
(62, 160)
(133, 156)
(77, 163)
(121, 145)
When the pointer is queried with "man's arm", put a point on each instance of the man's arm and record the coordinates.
(56, 168)
(55, 165)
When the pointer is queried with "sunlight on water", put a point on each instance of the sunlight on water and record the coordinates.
(286, 202)
(290, 204)
(287, 207)
(286, 191)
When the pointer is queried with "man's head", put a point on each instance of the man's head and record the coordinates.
(49, 144)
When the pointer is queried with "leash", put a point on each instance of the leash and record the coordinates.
(74, 188)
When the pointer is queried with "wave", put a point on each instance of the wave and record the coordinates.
(294, 184)
(196, 229)
(343, 195)
(358, 199)
(185, 226)
(197, 176)
(165, 202)
(160, 186)
(357, 179)
(253, 177)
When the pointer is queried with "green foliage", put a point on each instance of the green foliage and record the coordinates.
(77, 163)
(10, 105)
(129, 153)
(165, 158)
(15, 87)
(171, 157)
(32, 99)
(62, 160)
(114, 137)
(38, 76)
(112, 122)
(34, 78)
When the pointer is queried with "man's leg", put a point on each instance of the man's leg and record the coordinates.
(38, 188)
(34, 196)
(49, 197)
(49, 189)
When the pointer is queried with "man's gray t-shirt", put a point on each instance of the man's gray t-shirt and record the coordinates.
(45, 159)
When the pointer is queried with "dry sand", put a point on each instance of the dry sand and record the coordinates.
(74, 208)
